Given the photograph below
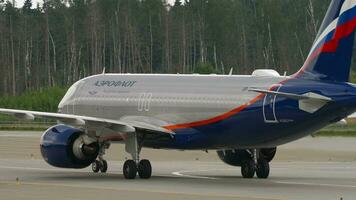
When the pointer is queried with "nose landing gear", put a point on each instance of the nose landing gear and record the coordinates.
(101, 164)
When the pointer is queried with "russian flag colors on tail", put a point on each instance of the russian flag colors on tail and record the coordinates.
(330, 57)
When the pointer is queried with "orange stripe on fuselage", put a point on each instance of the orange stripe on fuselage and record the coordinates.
(215, 119)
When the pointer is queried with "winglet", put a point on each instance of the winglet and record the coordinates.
(231, 70)
(24, 116)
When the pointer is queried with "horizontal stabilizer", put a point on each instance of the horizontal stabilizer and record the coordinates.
(292, 96)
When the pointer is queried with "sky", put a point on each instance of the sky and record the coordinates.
(19, 3)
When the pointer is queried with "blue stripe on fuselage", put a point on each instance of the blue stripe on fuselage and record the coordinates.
(248, 129)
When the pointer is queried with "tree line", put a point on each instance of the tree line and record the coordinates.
(61, 41)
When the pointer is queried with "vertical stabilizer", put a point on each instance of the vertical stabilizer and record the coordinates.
(331, 54)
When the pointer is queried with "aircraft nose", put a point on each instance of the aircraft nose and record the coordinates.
(60, 107)
(68, 97)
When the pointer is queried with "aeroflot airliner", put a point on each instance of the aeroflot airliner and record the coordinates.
(244, 118)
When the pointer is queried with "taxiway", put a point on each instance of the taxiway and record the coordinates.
(311, 168)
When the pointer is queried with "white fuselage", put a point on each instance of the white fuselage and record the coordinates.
(161, 99)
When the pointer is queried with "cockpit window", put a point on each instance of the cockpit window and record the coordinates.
(69, 95)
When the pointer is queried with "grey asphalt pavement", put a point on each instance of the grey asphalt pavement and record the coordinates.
(311, 168)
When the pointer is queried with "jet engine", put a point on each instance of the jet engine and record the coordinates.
(268, 153)
(68, 147)
(237, 156)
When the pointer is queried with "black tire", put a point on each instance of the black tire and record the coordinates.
(104, 166)
(248, 168)
(95, 166)
(130, 169)
(145, 169)
(263, 169)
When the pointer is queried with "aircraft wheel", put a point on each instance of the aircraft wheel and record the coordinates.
(248, 168)
(95, 166)
(263, 169)
(144, 169)
(130, 169)
(104, 166)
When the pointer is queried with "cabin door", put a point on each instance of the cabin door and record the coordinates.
(269, 106)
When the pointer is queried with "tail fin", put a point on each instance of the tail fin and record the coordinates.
(331, 54)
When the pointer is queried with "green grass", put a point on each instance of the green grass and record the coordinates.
(336, 130)
(335, 134)
(24, 128)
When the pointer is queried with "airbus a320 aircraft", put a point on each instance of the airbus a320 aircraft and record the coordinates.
(244, 118)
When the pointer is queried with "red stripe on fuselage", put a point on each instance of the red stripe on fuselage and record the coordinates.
(225, 115)
(215, 119)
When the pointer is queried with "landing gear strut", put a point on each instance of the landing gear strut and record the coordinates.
(100, 164)
(255, 164)
(132, 167)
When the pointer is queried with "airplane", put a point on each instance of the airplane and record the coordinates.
(243, 117)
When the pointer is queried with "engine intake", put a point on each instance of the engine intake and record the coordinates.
(237, 156)
(63, 146)
(233, 157)
(268, 153)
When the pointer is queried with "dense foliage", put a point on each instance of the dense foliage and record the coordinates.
(61, 41)
(46, 100)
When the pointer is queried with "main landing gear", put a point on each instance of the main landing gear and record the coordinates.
(100, 164)
(136, 166)
(143, 168)
(255, 164)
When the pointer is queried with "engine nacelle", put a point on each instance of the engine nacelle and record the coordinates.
(268, 153)
(233, 157)
(63, 146)
(237, 156)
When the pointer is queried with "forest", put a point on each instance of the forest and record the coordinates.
(60, 41)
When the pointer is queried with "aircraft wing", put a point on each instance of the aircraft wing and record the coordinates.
(307, 96)
(88, 122)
